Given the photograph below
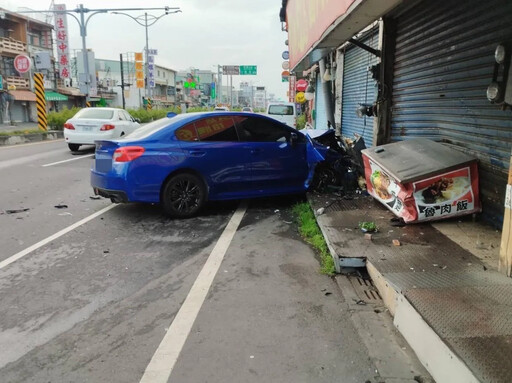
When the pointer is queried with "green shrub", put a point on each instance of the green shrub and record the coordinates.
(56, 120)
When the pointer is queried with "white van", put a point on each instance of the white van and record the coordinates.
(285, 112)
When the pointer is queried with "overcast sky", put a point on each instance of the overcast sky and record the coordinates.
(205, 34)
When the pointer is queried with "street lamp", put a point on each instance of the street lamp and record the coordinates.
(146, 21)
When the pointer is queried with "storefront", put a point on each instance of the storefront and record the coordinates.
(444, 62)
(359, 88)
(55, 101)
(22, 108)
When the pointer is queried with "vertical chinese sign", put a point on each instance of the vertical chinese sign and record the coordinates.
(139, 70)
(61, 32)
(291, 88)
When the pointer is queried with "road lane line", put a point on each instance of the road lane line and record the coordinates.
(162, 363)
(15, 257)
(71, 159)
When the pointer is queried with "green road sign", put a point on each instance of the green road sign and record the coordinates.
(1, 83)
(248, 70)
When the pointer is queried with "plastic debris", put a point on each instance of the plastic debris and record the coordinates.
(320, 211)
(66, 213)
(94, 197)
(61, 206)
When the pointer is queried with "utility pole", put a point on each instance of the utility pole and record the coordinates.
(122, 81)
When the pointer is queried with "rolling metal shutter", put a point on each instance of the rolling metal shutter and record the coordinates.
(321, 114)
(444, 62)
(358, 88)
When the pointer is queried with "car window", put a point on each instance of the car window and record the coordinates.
(126, 115)
(254, 129)
(100, 114)
(187, 132)
(281, 110)
(220, 128)
(121, 115)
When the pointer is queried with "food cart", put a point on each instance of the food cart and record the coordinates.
(422, 180)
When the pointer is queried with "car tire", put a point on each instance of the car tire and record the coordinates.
(183, 195)
(73, 147)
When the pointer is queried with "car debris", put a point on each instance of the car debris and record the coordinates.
(61, 206)
(14, 211)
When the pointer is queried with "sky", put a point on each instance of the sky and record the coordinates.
(206, 33)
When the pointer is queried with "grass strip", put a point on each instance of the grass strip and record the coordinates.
(311, 233)
(21, 132)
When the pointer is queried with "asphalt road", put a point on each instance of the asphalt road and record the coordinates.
(95, 292)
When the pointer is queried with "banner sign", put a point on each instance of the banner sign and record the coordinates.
(61, 33)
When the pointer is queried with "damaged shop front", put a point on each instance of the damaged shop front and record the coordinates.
(401, 70)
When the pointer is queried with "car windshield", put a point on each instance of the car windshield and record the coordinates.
(282, 110)
(99, 114)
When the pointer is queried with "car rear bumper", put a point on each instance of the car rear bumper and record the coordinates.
(115, 195)
(73, 137)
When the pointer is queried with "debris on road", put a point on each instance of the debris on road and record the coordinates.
(14, 211)
(368, 227)
(320, 211)
(368, 236)
(61, 206)
(396, 242)
(94, 197)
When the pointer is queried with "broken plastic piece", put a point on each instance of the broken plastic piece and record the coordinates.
(13, 211)
(61, 206)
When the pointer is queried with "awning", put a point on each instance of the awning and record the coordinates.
(75, 92)
(23, 95)
(327, 25)
(54, 96)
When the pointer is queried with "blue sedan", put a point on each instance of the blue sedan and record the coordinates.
(184, 160)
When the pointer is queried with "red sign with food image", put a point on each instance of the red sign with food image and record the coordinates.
(448, 194)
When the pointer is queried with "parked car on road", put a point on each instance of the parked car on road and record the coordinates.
(247, 109)
(91, 124)
(285, 112)
(183, 161)
(221, 109)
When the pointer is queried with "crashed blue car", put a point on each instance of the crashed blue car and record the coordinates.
(183, 161)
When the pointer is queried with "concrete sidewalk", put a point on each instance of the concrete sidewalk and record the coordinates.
(448, 301)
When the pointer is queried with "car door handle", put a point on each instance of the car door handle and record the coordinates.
(197, 153)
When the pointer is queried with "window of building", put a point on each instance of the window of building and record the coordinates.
(158, 73)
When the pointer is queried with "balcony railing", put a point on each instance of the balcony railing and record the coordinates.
(9, 45)
(18, 82)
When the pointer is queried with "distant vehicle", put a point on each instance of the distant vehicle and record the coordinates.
(285, 112)
(247, 109)
(222, 108)
(91, 124)
(184, 161)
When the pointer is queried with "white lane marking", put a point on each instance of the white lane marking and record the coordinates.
(15, 257)
(71, 159)
(30, 144)
(38, 157)
(162, 363)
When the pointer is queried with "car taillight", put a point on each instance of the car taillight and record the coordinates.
(107, 127)
(69, 126)
(128, 153)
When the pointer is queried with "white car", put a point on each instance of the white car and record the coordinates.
(91, 124)
(221, 109)
(247, 109)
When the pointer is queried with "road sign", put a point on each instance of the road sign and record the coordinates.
(153, 52)
(1, 83)
(22, 63)
(248, 70)
(285, 55)
(231, 69)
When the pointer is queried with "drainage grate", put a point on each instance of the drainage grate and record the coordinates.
(365, 289)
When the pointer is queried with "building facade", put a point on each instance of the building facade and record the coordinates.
(400, 70)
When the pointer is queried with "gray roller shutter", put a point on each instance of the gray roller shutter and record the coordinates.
(443, 64)
(321, 114)
(358, 88)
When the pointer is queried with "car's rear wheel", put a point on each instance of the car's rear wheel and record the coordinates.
(183, 195)
(73, 147)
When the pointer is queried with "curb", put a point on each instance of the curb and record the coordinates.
(33, 137)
